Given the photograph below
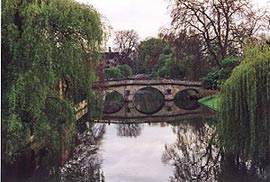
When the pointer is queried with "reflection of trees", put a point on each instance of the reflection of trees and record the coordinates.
(192, 155)
(186, 99)
(86, 163)
(129, 130)
(148, 100)
(113, 102)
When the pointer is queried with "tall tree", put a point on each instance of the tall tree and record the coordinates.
(45, 43)
(148, 54)
(245, 109)
(126, 42)
(188, 54)
(221, 24)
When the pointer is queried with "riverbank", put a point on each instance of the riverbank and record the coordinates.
(211, 101)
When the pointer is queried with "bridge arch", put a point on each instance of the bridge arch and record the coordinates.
(113, 101)
(186, 99)
(148, 100)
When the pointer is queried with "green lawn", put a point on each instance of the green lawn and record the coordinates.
(211, 101)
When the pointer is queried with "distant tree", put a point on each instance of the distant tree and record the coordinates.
(148, 54)
(120, 71)
(187, 55)
(215, 78)
(222, 25)
(125, 70)
(112, 72)
(126, 42)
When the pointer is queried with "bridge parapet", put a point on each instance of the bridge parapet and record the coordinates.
(112, 83)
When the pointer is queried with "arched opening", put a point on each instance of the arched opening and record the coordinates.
(186, 99)
(148, 100)
(114, 101)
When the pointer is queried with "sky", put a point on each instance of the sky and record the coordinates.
(146, 17)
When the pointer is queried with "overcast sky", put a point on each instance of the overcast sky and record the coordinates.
(144, 16)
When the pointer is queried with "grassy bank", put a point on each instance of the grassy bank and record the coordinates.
(211, 101)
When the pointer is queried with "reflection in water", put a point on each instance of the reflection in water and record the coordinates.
(136, 159)
(129, 130)
(176, 151)
(113, 102)
(186, 99)
(193, 157)
(233, 173)
(85, 164)
(148, 100)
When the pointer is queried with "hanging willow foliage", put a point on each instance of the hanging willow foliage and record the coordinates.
(245, 108)
(44, 42)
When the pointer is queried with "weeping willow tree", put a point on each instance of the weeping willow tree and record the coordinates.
(44, 43)
(245, 108)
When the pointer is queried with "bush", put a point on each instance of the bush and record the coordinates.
(113, 72)
(210, 81)
(125, 70)
(214, 79)
(120, 71)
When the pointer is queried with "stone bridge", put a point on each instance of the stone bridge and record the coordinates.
(127, 88)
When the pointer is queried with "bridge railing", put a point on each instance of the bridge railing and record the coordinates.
(133, 81)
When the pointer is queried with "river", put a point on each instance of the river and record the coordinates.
(140, 152)
(166, 143)
(151, 140)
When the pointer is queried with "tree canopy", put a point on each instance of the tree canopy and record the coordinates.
(126, 42)
(148, 54)
(120, 71)
(245, 108)
(45, 43)
(222, 25)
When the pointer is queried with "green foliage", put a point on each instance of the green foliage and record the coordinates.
(149, 52)
(245, 107)
(44, 42)
(215, 78)
(210, 81)
(120, 71)
(95, 105)
(125, 70)
(169, 67)
(112, 72)
(164, 67)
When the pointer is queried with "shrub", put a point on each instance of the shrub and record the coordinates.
(214, 79)
(120, 71)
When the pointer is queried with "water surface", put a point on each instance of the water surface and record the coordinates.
(141, 152)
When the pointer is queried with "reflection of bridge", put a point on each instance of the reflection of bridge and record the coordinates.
(169, 112)
(128, 88)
